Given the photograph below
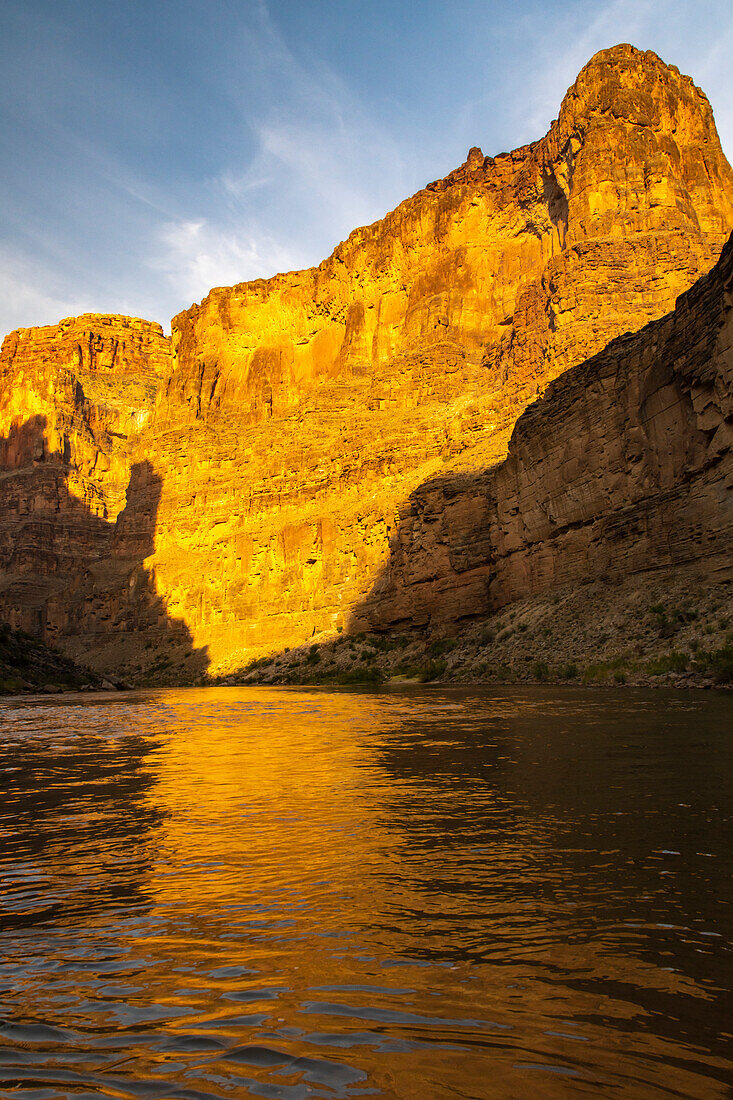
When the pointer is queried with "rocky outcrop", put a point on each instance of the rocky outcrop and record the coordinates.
(299, 415)
(78, 393)
(73, 400)
(626, 464)
(623, 468)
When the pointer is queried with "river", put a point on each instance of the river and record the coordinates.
(418, 893)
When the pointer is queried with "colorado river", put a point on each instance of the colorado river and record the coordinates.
(413, 894)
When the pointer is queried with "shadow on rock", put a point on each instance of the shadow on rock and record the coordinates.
(72, 579)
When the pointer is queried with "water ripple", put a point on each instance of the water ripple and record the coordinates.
(206, 894)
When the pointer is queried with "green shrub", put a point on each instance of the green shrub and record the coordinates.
(596, 672)
(717, 663)
(441, 645)
(569, 671)
(403, 669)
(10, 686)
(540, 670)
(670, 662)
(359, 676)
(722, 664)
(432, 670)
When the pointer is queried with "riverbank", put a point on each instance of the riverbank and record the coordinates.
(29, 666)
(647, 635)
(641, 633)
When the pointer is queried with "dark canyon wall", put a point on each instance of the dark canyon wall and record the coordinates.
(624, 467)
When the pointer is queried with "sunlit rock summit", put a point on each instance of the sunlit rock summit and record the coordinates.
(318, 451)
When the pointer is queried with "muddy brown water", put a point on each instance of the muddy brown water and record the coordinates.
(424, 893)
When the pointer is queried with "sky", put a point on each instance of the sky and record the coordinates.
(153, 149)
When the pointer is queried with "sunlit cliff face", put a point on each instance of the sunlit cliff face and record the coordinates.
(297, 415)
(78, 393)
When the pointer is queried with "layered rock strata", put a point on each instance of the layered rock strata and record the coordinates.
(78, 393)
(623, 468)
(300, 413)
(74, 398)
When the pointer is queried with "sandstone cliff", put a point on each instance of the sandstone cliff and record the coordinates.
(79, 392)
(623, 468)
(73, 399)
(273, 476)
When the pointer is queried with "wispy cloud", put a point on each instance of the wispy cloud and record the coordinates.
(320, 167)
(25, 297)
(197, 256)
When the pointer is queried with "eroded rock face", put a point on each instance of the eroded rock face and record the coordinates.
(624, 467)
(300, 413)
(74, 398)
(79, 392)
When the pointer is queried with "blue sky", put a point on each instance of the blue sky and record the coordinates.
(152, 149)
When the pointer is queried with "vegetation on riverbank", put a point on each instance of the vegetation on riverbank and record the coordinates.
(596, 634)
(27, 665)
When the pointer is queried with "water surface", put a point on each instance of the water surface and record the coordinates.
(429, 893)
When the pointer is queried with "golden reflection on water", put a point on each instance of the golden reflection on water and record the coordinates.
(281, 796)
(235, 892)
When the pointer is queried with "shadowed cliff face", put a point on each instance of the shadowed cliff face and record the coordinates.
(303, 420)
(625, 466)
(75, 579)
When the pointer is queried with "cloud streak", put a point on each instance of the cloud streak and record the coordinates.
(319, 168)
(197, 256)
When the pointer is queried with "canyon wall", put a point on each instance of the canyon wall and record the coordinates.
(74, 398)
(80, 392)
(624, 467)
(298, 416)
